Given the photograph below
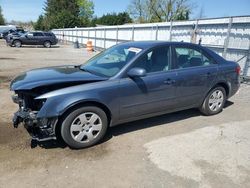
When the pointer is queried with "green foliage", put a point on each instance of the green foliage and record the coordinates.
(138, 11)
(65, 14)
(86, 11)
(61, 14)
(2, 22)
(159, 10)
(112, 19)
(40, 24)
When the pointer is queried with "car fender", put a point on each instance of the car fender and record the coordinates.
(222, 82)
(59, 101)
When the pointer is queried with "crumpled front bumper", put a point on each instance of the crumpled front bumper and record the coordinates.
(40, 129)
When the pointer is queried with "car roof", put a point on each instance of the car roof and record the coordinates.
(40, 32)
(150, 44)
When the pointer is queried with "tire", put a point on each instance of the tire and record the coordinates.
(17, 43)
(214, 101)
(84, 127)
(47, 44)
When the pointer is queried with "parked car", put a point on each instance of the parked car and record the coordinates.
(127, 82)
(13, 34)
(6, 28)
(17, 30)
(33, 38)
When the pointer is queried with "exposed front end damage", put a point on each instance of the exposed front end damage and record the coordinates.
(31, 85)
(40, 129)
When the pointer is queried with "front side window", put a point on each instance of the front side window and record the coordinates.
(30, 34)
(111, 61)
(189, 57)
(156, 60)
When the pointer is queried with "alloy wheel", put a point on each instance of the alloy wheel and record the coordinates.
(17, 44)
(86, 127)
(47, 44)
(215, 101)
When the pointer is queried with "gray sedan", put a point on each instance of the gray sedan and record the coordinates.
(126, 82)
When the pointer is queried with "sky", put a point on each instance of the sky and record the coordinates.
(29, 10)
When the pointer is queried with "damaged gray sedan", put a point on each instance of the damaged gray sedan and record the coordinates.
(127, 82)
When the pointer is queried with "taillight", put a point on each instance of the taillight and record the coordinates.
(237, 70)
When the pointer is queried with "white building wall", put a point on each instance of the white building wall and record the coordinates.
(213, 33)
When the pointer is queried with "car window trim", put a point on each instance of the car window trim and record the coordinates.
(198, 67)
(39, 35)
(202, 51)
(124, 75)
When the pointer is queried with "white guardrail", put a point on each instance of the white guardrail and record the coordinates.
(229, 37)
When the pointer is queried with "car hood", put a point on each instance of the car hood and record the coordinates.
(52, 76)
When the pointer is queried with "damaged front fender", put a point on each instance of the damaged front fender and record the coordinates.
(59, 101)
(40, 129)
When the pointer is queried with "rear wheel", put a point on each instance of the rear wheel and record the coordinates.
(214, 102)
(47, 44)
(84, 127)
(17, 43)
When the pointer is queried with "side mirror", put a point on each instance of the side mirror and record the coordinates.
(136, 72)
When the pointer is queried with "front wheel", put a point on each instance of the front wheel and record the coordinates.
(84, 127)
(214, 102)
(17, 43)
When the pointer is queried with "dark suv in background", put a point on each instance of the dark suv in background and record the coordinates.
(32, 38)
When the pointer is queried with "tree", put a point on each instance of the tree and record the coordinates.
(137, 9)
(65, 14)
(25, 25)
(61, 14)
(86, 11)
(201, 13)
(112, 19)
(159, 10)
(40, 24)
(2, 22)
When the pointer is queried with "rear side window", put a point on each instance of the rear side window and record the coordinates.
(37, 34)
(189, 57)
(49, 34)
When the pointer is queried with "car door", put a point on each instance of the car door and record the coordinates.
(28, 39)
(153, 93)
(196, 73)
(38, 38)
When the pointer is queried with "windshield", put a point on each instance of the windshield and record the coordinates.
(109, 62)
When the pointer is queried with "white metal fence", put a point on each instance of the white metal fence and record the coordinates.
(229, 37)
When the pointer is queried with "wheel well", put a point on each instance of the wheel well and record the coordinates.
(17, 40)
(82, 104)
(225, 86)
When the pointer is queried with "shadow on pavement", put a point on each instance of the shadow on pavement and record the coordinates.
(40, 47)
(133, 126)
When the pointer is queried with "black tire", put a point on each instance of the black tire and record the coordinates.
(17, 43)
(207, 106)
(47, 44)
(67, 124)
